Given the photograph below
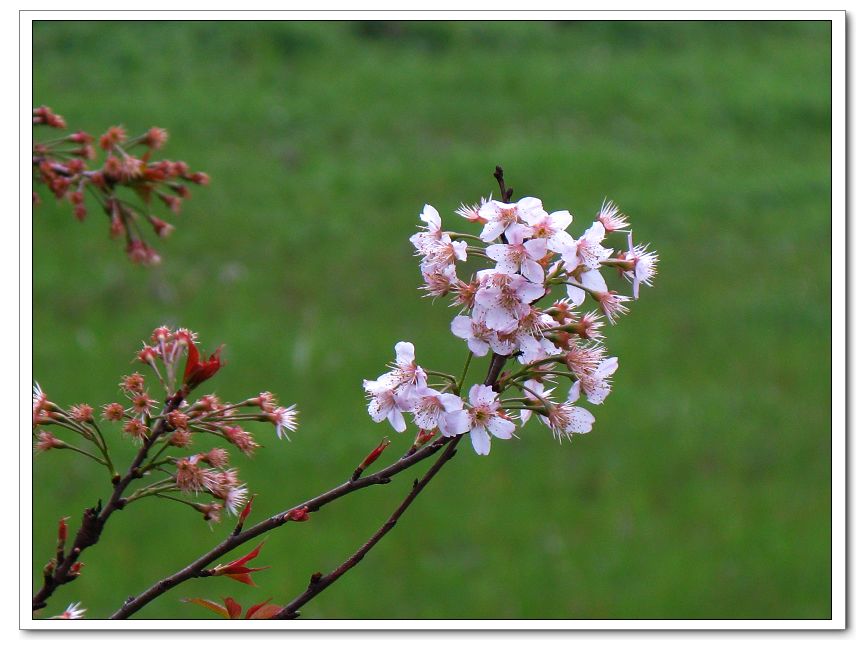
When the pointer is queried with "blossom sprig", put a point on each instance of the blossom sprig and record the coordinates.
(67, 165)
(160, 416)
(521, 304)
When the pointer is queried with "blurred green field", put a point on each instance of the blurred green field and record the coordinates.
(703, 491)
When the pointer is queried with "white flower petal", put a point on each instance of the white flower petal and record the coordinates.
(478, 347)
(397, 421)
(536, 248)
(533, 271)
(594, 280)
(581, 420)
(576, 295)
(404, 353)
(455, 423)
(461, 326)
(501, 427)
(450, 402)
(607, 367)
(481, 441)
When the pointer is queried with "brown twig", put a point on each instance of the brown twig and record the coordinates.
(94, 518)
(319, 583)
(507, 192)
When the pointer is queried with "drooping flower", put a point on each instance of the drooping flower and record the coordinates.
(46, 441)
(566, 419)
(612, 304)
(284, 418)
(595, 384)
(471, 212)
(643, 265)
(39, 402)
(591, 281)
(385, 404)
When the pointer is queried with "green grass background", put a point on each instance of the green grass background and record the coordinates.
(703, 490)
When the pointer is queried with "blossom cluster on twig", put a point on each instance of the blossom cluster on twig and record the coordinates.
(527, 257)
(165, 464)
(67, 165)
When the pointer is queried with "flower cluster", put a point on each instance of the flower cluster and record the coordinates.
(63, 164)
(173, 422)
(529, 258)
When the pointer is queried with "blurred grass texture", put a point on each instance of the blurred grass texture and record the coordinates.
(703, 490)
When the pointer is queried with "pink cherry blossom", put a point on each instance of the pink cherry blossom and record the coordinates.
(643, 265)
(505, 217)
(486, 417)
(549, 226)
(384, 404)
(519, 257)
(476, 334)
(444, 411)
(595, 385)
(500, 297)
(431, 233)
(586, 251)
(566, 419)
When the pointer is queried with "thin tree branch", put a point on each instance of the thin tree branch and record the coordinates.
(381, 477)
(319, 583)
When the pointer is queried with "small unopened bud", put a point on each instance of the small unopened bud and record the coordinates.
(199, 178)
(160, 227)
(370, 459)
(62, 532)
(423, 437)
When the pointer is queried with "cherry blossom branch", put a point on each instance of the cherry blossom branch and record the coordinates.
(319, 583)
(95, 518)
(195, 569)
